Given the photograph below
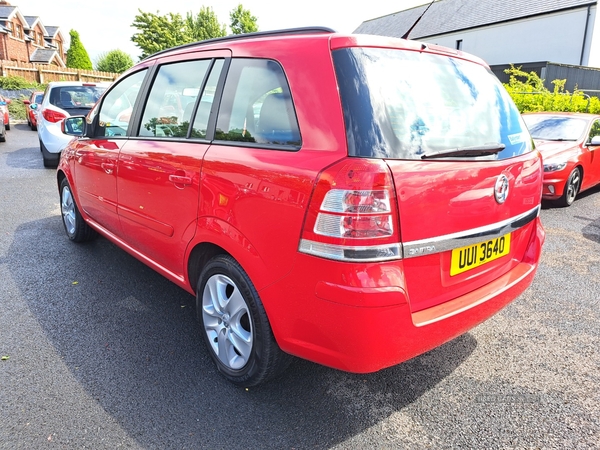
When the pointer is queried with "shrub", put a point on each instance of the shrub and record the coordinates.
(530, 95)
(17, 109)
(15, 83)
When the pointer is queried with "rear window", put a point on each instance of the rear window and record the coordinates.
(402, 104)
(75, 97)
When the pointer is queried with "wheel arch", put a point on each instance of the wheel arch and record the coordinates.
(199, 257)
(60, 176)
(214, 237)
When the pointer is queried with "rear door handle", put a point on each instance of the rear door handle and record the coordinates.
(180, 180)
(108, 167)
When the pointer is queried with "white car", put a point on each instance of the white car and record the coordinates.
(63, 99)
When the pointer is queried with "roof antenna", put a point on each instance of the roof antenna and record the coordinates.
(405, 36)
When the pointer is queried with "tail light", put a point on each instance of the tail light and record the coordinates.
(53, 116)
(353, 214)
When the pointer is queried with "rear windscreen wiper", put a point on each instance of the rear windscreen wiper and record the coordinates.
(477, 150)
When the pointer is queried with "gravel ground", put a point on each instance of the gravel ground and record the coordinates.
(103, 353)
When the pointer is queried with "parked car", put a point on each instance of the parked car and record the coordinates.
(352, 200)
(4, 102)
(33, 103)
(570, 146)
(63, 99)
(2, 128)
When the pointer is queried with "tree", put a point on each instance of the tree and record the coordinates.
(159, 32)
(116, 61)
(77, 55)
(242, 21)
(204, 25)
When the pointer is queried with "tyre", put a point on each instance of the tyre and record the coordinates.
(76, 228)
(33, 127)
(236, 329)
(571, 189)
(7, 126)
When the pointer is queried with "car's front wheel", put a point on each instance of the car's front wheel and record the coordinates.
(77, 229)
(571, 189)
(236, 328)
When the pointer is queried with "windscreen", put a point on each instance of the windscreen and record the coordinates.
(402, 104)
(555, 128)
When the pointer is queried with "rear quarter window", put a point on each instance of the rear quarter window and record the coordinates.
(402, 104)
(257, 106)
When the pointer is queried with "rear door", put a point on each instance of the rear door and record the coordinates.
(159, 169)
(468, 183)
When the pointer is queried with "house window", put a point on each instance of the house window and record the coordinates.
(19, 31)
(9, 27)
(459, 44)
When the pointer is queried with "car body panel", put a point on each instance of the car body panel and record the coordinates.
(173, 201)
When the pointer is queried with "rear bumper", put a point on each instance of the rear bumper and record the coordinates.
(53, 138)
(365, 329)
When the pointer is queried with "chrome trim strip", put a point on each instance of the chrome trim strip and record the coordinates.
(452, 241)
(351, 254)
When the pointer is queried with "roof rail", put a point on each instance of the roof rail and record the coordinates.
(233, 37)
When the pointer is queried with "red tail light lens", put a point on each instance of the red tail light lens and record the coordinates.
(53, 116)
(353, 215)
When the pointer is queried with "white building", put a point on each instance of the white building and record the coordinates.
(503, 31)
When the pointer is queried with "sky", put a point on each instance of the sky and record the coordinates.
(105, 25)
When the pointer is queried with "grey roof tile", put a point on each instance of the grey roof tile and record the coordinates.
(43, 56)
(31, 20)
(6, 11)
(446, 16)
(52, 31)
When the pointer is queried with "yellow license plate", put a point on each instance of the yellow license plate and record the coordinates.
(471, 256)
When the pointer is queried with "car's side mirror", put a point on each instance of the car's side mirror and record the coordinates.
(595, 141)
(2, 103)
(74, 126)
(26, 102)
(33, 105)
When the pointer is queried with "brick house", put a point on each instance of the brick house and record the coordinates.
(26, 39)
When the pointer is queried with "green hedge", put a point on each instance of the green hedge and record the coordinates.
(529, 94)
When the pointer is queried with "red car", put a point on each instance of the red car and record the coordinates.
(4, 102)
(569, 143)
(33, 103)
(352, 200)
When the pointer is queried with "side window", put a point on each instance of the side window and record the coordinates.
(257, 106)
(117, 105)
(594, 131)
(172, 98)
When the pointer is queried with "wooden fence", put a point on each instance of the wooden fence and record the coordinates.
(44, 73)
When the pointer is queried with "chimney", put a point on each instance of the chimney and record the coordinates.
(4, 3)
